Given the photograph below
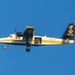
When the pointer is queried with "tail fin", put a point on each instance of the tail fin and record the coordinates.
(69, 33)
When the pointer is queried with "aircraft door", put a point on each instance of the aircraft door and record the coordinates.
(38, 40)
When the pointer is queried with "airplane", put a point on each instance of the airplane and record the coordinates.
(28, 39)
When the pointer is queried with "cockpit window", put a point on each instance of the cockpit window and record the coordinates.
(11, 36)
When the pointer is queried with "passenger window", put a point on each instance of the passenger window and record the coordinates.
(18, 37)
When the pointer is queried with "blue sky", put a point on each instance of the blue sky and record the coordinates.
(49, 17)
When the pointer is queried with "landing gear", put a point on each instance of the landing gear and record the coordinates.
(29, 36)
(4, 47)
(28, 48)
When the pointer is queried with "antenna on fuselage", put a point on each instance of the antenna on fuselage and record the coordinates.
(15, 30)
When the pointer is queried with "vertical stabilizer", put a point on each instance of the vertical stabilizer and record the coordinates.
(69, 33)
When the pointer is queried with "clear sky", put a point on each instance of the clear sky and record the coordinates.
(49, 17)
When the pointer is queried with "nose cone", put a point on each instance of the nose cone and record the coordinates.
(5, 40)
(2, 40)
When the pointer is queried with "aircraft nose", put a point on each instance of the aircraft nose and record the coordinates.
(3, 40)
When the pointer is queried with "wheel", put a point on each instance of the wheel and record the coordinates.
(28, 48)
(5, 47)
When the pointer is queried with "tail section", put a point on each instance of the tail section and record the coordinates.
(69, 33)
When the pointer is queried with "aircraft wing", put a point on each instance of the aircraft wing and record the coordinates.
(28, 32)
(27, 35)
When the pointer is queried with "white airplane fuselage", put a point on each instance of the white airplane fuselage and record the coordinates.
(35, 41)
